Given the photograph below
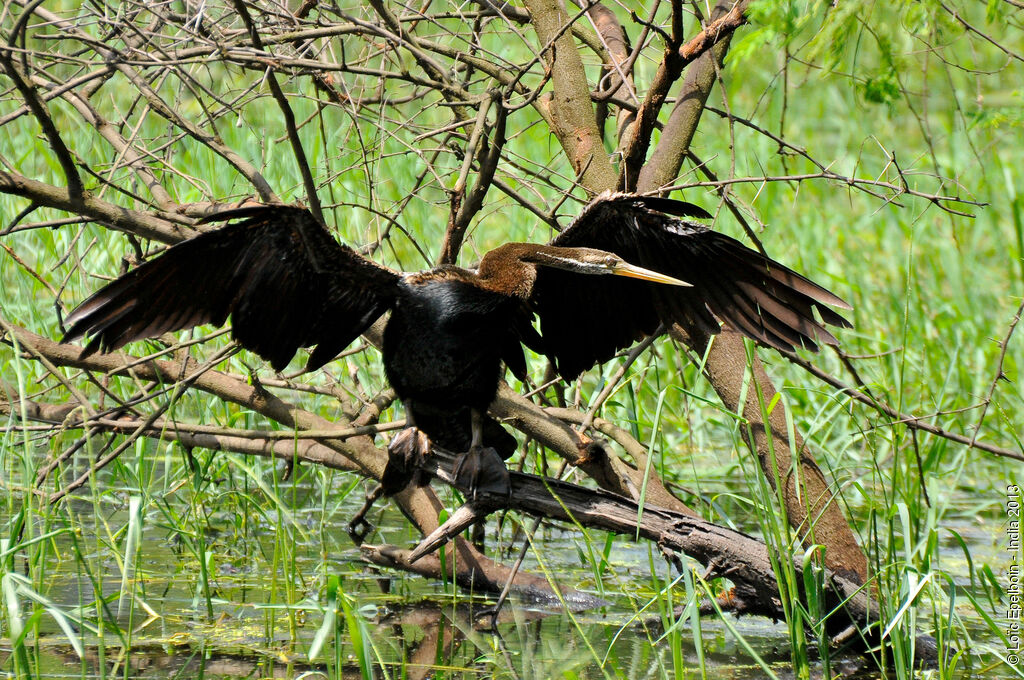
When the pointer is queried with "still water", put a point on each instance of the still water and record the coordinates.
(256, 604)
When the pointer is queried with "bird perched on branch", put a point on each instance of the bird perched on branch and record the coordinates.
(624, 267)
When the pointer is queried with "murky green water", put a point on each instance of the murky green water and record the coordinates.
(247, 620)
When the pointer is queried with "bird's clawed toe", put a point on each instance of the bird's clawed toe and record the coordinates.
(481, 469)
(407, 450)
(411, 444)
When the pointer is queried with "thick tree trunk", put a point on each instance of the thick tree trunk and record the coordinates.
(810, 502)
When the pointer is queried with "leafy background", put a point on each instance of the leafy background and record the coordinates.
(880, 92)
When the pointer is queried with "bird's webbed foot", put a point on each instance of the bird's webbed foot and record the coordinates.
(481, 469)
(407, 450)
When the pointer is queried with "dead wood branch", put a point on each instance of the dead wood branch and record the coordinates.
(676, 57)
(741, 559)
(528, 586)
(349, 449)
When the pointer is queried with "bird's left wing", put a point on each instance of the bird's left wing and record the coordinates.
(283, 279)
(586, 319)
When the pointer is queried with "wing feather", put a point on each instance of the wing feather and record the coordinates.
(586, 319)
(281, 277)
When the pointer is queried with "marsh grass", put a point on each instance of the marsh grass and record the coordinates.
(194, 555)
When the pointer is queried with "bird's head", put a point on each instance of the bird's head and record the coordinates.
(592, 261)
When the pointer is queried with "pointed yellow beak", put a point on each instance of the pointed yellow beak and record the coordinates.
(634, 272)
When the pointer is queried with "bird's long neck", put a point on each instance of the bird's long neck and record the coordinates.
(503, 269)
(512, 268)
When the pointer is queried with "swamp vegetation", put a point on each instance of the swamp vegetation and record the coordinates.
(181, 510)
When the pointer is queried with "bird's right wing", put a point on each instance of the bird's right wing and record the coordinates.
(586, 319)
(283, 279)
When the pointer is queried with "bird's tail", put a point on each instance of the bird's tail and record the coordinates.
(454, 432)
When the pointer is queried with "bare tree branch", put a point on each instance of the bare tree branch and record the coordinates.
(289, 118)
(144, 224)
(911, 421)
(675, 59)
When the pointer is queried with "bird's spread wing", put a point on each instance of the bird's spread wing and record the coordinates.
(283, 279)
(586, 319)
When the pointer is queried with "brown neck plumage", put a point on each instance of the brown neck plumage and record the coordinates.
(504, 270)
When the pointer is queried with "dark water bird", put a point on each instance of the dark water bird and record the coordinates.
(624, 267)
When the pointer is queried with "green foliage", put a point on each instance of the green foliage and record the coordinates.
(190, 554)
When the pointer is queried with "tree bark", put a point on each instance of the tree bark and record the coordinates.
(809, 500)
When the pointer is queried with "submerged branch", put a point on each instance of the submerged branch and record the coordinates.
(726, 553)
(529, 586)
(339, 447)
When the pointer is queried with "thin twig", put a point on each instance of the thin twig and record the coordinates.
(915, 422)
(1000, 375)
(289, 117)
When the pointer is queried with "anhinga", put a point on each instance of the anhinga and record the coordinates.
(596, 288)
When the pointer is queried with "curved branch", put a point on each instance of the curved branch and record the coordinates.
(289, 117)
(144, 224)
(911, 421)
